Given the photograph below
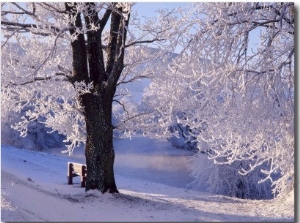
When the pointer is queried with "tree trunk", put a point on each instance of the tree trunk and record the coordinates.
(99, 151)
(89, 67)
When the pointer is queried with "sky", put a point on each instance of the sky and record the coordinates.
(150, 8)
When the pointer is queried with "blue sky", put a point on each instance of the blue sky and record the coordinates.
(149, 8)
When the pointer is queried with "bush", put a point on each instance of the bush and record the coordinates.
(226, 180)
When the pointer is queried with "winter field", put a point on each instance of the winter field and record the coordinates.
(214, 78)
(151, 176)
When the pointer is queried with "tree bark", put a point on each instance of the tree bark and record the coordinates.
(99, 151)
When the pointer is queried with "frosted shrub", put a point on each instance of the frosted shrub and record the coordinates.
(226, 180)
(184, 137)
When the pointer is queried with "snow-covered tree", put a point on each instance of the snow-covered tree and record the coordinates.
(232, 85)
(62, 64)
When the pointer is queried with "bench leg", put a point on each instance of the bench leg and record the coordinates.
(70, 171)
(82, 178)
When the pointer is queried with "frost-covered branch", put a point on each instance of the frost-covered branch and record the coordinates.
(144, 41)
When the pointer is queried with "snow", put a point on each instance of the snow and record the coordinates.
(151, 177)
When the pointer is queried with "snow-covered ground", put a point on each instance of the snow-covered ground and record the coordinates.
(150, 175)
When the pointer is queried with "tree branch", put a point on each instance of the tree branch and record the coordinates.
(132, 117)
(144, 41)
(132, 79)
(27, 27)
(114, 32)
(8, 37)
(22, 25)
(3, 12)
(51, 7)
(95, 53)
(79, 54)
(121, 25)
(41, 79)
(105, 18)
(123, 106)
(24, 10)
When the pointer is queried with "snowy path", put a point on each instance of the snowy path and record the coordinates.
(34, 189)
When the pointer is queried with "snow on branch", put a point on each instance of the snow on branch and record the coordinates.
(83, 88)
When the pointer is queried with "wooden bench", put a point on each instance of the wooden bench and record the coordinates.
(74, 170)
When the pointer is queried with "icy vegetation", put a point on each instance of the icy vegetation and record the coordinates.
(217, 79)
(232, 100)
